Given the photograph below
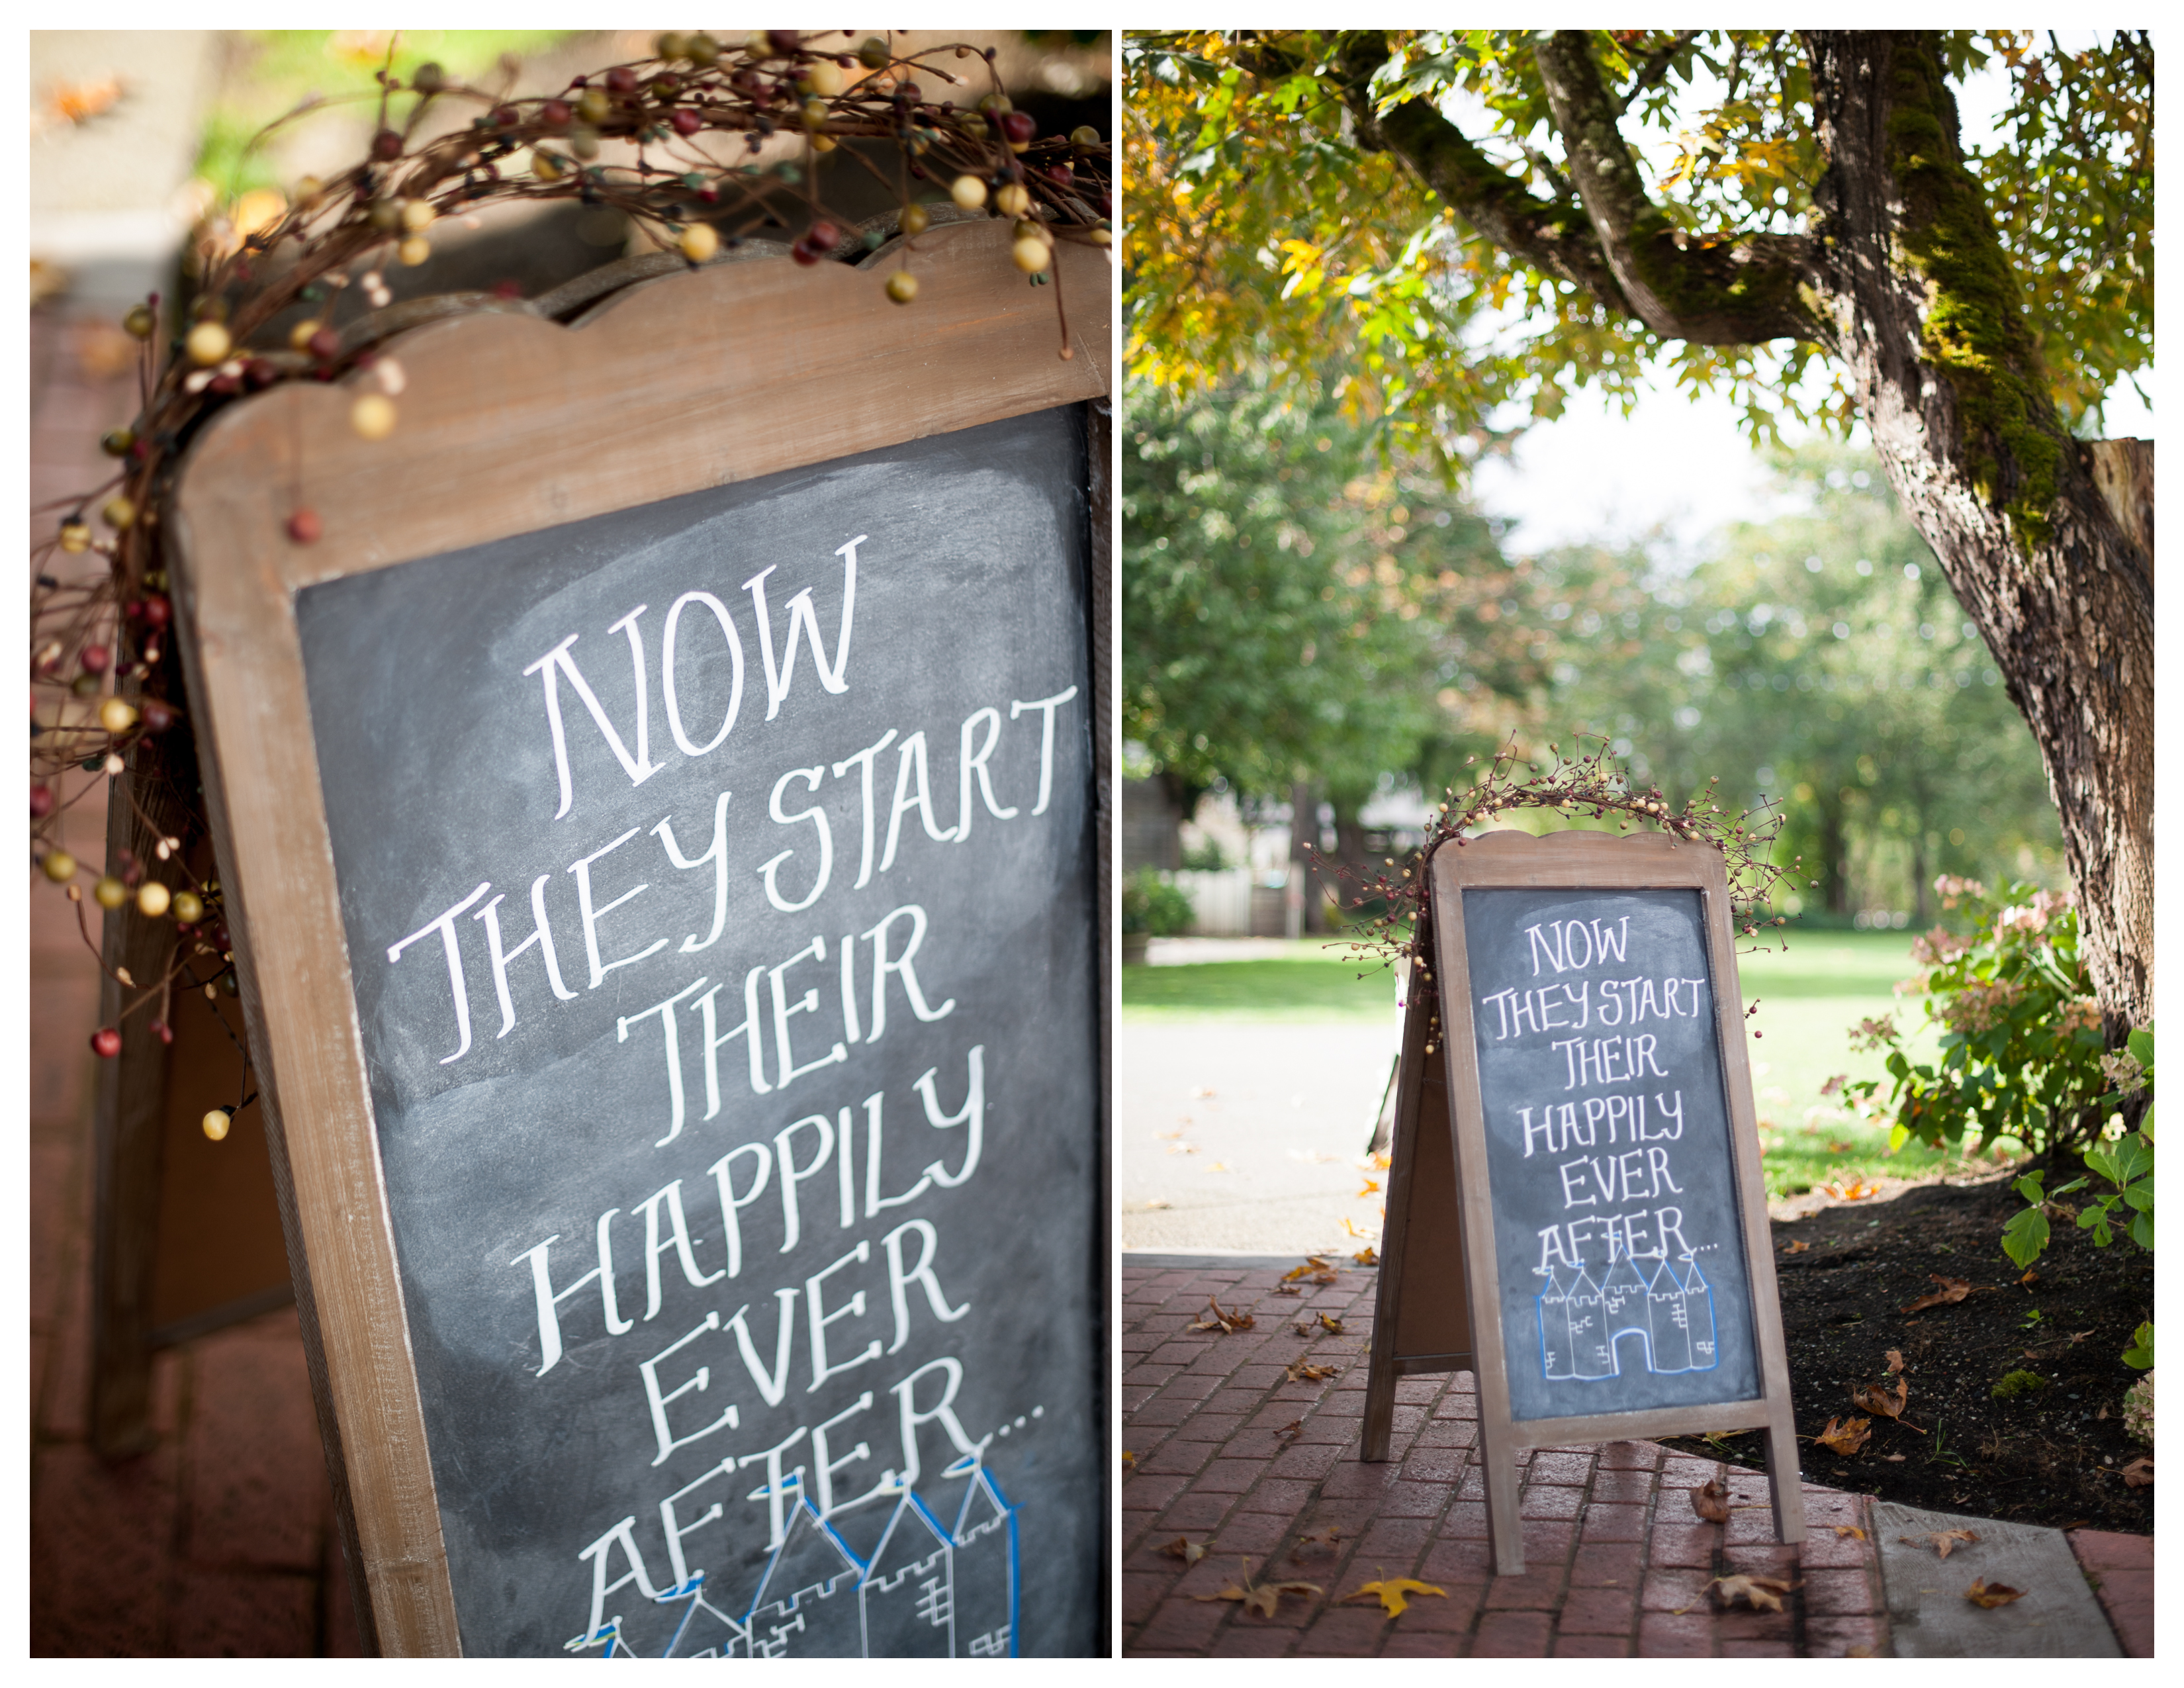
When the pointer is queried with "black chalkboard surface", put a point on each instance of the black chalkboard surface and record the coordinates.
(718, 882)
(1617, 1228)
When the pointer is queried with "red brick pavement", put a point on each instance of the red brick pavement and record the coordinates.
(219, 1541)
(1228, 1453)
(2120, 1569)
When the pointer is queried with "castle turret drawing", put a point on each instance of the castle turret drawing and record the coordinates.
(806, 1605)
(1582, 1324)
(907, 1600)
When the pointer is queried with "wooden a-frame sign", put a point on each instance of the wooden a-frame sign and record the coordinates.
(625, 1335)
(1575, 1210)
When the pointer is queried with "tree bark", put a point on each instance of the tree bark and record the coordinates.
(2047, 542)
(1947, 380)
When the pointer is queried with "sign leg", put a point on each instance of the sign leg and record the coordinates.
(1505, 1534)
(1785, 1484)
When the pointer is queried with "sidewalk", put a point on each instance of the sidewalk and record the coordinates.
(1229, 1453)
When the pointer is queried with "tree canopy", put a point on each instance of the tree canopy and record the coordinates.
(1275, 224)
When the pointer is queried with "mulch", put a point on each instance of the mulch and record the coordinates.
(2053, 1454)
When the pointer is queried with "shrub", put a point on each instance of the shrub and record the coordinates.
(2022, 1044)
(1154, 906)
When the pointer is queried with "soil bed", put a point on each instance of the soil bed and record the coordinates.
(2053, 1454)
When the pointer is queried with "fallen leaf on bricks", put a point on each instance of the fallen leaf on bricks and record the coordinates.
(1952, 1291)
(1391, 1592)
(1985, 1593)
(1183, 1548)
(1129, 1459)
(1366, 1257)
(1331, 1325)
(1846, 1438)
(1761, 1594)
(1843, 1530)
(1941, 1541)
(1302, 1371)
(1327, 1540)
(1314, 1268)
(1288, 1289)
(1263, 1598)
(1289, 1429)
(1224, 1322)
(1712, 1502)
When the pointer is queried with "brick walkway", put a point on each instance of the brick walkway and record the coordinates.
(219, 1539)
(1229, 1453)
(2120, 1569)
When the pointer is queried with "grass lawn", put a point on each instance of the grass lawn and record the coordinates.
(1810, 994)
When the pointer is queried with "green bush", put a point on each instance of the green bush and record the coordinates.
(1155, 905)
(2021, 1038)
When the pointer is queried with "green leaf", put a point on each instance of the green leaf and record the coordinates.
(2139, 1356)
(2141, 1045)
(2025, 1238)
(2029, 1187)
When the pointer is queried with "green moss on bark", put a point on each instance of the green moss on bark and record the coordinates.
(1975, 331)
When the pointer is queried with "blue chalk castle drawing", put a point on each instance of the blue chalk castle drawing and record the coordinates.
(1584, 1317)
(932, 1587)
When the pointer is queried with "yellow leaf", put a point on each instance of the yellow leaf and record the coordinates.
(1393, 1591)
(1761, 1594)
(1985, 1593)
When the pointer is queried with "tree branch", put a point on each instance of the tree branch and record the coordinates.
(1710, 293)
(1655, 67)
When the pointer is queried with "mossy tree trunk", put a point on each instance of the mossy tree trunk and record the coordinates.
(1901, 277)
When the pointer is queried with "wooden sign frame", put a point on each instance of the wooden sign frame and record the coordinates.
(1438, 1305)
(511, 423)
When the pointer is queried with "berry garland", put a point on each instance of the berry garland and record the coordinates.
(103, 683)
(1589, 783)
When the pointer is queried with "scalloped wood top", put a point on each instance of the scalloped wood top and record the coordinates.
(509, 424)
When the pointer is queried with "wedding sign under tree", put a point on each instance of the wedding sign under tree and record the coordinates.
(1457, 221)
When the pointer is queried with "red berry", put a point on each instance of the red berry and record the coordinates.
(156, 610)
(822, 236)
(303, 528)
(158, 714)
(621, 79)
(555, 112)
(162, 1031)
(507, 288)
(387, 146)
(224, 384)
(507, 116)
(803, 254)
(42, 801)
(324, 345)
(1061, 173)
(783, 40)
(95, 658)
(260, 372)
(1019, 127)
(106, 1043)
(686, 121)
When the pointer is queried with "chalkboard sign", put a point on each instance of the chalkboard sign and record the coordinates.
(710, 1022)
(1598, 1202)
(1617, 1237)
